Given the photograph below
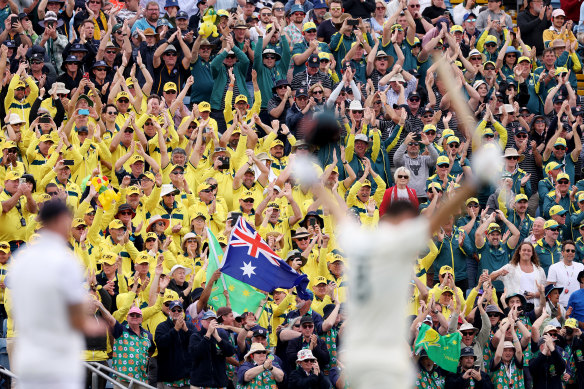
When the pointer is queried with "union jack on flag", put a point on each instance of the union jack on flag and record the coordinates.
(249, 259)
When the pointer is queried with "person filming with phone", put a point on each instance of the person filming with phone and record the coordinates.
(468, 375)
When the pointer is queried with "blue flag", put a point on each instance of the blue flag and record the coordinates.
(249, 259)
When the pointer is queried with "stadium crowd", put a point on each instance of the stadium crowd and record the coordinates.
(162, 123)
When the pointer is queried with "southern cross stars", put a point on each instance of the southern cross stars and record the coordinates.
(248, 269)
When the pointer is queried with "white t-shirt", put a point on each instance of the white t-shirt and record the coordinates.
(45, 279)
(379, 268)
(565, 276)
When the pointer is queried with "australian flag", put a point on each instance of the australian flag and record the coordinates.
(249, 259)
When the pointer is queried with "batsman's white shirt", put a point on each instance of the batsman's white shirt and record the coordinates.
(376, 354)
(45, 279)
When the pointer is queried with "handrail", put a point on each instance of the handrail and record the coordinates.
(97, 369)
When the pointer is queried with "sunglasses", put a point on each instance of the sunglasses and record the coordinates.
(167, 304)
(20, 89)
(357, 112)
(135, 315)
(378, 102)
(112, 113)
(170, 92)
(310, 31)
(444, 165)
(380, 8)
(266, 14)
(178, 173)
(492, 314)
(317, 92)
(427, 116)
(471, 20)
(539, 121)
(554, 229)
(151, 124)
(467, 333)
(296, 325)
(570, 250)
(513, 158)
(403, 177)
(473, 205)
(414, 5)
(175, 310)
(128, 131)
(563, 182)
(559, 148)
(269, 56)
(453, 145)
(490, 68)
(81, 227)
(123, 101)
(476, 58)
(431, 133)
(415, 99)
(521, 136)
(161, 224)
(413, 144)
(248, 200)
(110, 51)
(490, 45)
(126, 213)
(12, 151)
(171, 54)
(307, 325)
(324, 60)
(489, 136)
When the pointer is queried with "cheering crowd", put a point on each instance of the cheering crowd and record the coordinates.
(159, 125)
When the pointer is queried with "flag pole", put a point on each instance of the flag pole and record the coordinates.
(209, 232)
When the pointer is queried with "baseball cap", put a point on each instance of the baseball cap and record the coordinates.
(313, 62)
(493, 227)
(301, 92)
(550, 224)
(557, 210)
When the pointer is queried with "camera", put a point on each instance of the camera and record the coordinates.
(68, 162)
(417, 137)
(235, 218)
(45, 119)
(352, 22)
(224, 162)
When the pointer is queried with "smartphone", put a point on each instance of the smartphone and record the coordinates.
(68, 162)
(14, 21)
(86, 76)
(312, 221)
(83, 112)
(353, 22)
(45, 119)
(235, 218)
(22, 180)
(417, 137)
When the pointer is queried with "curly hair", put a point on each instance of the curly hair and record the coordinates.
(534, 257)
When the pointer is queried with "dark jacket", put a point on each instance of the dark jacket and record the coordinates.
(320, 351)
(99, 343)
(359, 9)
(300, 380)
(577, 351)
(532, 28)
(208, 357)
(455, 381)
(174, 360)
(547, 371)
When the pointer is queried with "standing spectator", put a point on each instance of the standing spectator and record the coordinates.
(400, 191)
(132, 336)
(532, 22)
(169, 69)
(328, 27)
(576, 301)
(548, 366)
(563, 274)
(467, 376)
(172, 340)
(201, 70)
(359, 8)
(419, 165)
(209, 347)
(150, 19)
(308, 339)
(495, 14)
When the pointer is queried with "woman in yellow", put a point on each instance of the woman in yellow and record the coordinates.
(190, 255)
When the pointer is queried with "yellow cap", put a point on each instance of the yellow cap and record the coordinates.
(442, 160)
(276, 142)
(493, 227)
(562, 175)
(550, 224)
(523, 58)
(169, 86)
(333, 257)
(240, 98)
(560, 142)
(46, 138)
(366, 183)
(115, 224)
(456, 28)
(109, 258)
(9, 145)
(446, 269)
(246, 195)
(431, 127)
(12, 175)
(151, 235)
(132, 190)
(447, 289)
(553, 166)
(471, 200)
(561, 69)
(203, 186)
(170, 295)
(324, 55)
(122, 95)
(571, 322)
(453, 139)
(320, 280)
(309, 26)
(204, 106)
(135, 158)
(129, 81)
(78, 222)
(520, 197)
(434, 185)
(491, 39)
(142, 258)
(557, 210)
